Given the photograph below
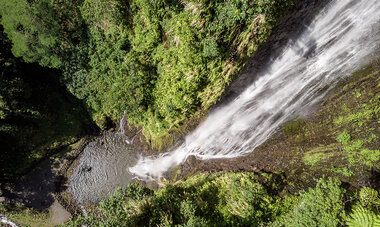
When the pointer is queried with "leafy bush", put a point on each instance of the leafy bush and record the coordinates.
(232, 199)
(160, 61)
(369, 198)
(42, 31)
(366, 212)
(228, 199)
(210, 48)
(321, 206)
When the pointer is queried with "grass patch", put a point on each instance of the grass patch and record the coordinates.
(320, 153)
(27, 217)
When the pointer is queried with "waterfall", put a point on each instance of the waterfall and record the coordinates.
(123, 120)
(6, 221)
(340, 39)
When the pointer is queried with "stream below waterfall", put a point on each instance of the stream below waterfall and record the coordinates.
(344, 36)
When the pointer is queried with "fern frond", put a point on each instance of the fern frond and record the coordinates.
(362, 217)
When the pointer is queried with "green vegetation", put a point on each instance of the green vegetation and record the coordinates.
(165, 63)
(27, 217)
(367, 211)
(162, 62)
(319, 154)
(234, 199)
(363, 217)
(370, 198)
(321, 206)
(342, 138)
(37, 115)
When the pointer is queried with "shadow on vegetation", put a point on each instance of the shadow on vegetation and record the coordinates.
(38, 116)
(35, 191)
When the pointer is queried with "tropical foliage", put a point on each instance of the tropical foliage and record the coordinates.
(230, 199)
(160, 61)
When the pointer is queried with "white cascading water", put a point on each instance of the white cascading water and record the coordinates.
(6, 221)
(122, 123)
(341, 38)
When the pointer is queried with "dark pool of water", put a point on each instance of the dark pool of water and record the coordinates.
(103, 167)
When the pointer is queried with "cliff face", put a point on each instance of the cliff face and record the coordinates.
(340, 139)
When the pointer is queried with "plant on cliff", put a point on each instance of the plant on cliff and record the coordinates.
(363, 217)
(219, 199)
(160, 61)
(367, 210)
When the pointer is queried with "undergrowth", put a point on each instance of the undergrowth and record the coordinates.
(234, 199)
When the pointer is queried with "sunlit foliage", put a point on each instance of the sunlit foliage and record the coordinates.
(160, 61)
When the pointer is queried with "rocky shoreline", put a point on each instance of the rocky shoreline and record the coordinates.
(46, 187)
(61, 180)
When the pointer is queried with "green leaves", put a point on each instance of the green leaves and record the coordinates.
(363, 217)
(367, 212)
(344, 137)
(210, 48)
(370, 198)
(234, 199)
(321, 206)
(34, 30)
(161, 61)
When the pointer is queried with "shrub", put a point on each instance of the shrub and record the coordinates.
(321, 206)
(210, 48)
(369, 198)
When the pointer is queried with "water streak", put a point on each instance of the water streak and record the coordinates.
(123, 120)
(6, 221)
(341, 38)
